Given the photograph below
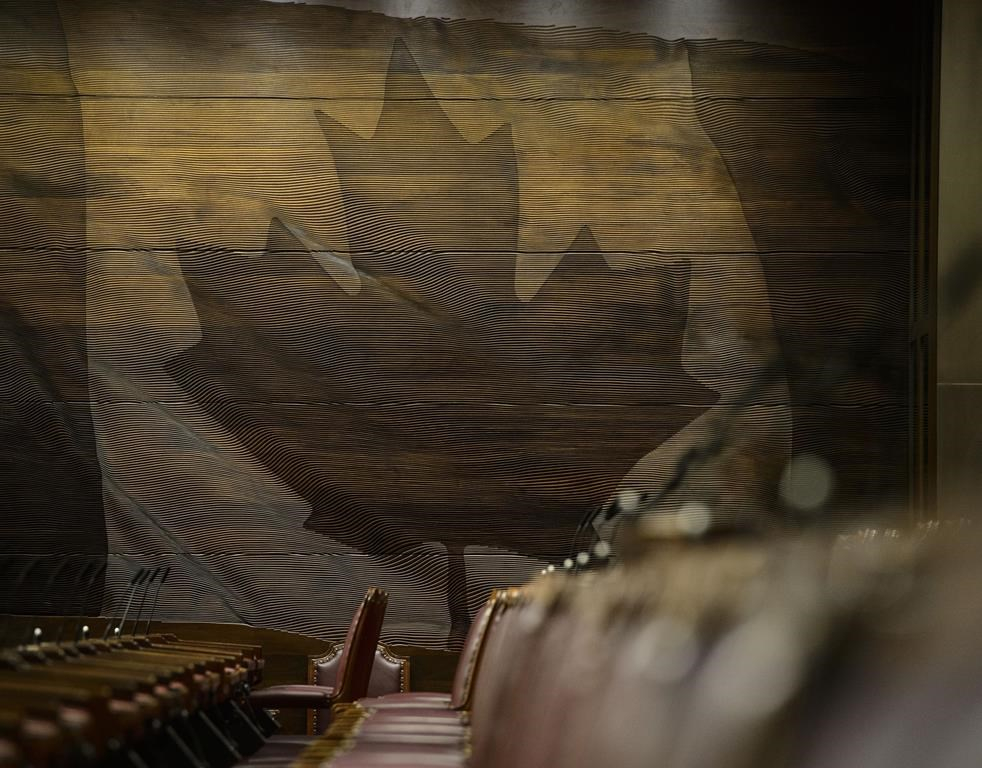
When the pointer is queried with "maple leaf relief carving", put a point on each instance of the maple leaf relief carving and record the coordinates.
(402, 388)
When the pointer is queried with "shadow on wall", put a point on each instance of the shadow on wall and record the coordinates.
(511, 305)
(54, 530)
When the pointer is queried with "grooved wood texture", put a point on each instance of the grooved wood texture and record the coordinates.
(50, 478)
(345, 299)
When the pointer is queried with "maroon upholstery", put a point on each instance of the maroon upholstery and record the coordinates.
(354, 667)
(417, 729)
(470, 657)
(293, 696)
(408, 737)
(467, 670)
(440, 760)
(424, 758)
(399, 749)
(345, 667)
(506, 643)
(411, 699)
(390, 674)
(411, 725)
(418, 714)
(406, 756)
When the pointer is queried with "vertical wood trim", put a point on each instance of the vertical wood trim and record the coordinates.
(922, 384)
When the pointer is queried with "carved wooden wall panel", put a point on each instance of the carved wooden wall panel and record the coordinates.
(302, 299)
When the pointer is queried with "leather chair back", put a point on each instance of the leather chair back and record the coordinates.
(390, 674)
(358, 655)
(513, 636)
(470, 657)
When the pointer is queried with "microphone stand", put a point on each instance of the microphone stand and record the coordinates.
(153, 607)
(143, 598)
(134, 583)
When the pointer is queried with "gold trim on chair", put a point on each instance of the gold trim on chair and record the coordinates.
(313, 661)
(333, 653)
(403, 663)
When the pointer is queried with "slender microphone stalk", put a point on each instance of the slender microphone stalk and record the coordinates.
(143, 598)
(153, 607)
(134, 583)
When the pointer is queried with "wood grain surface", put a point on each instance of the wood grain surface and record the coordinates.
(301, 299)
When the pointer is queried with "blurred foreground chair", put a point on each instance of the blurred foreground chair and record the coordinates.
(724, 653)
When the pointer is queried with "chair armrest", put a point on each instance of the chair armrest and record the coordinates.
(293, 696)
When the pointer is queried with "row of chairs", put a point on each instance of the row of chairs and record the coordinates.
(396, 719)
(150, 701)
(721, 654)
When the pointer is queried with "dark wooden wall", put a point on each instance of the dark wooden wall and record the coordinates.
(366, 300)
(53, 525)
(959, 261)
